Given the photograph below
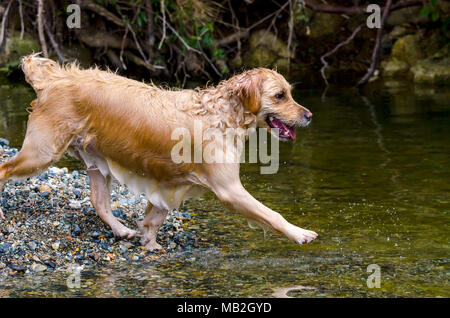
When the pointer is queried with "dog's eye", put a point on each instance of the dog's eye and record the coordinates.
(279, 96)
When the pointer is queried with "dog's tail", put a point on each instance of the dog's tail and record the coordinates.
(39, 71)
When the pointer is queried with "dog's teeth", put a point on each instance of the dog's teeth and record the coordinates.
(270, 118)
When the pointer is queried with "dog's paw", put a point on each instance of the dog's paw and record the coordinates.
(124, 233)
(149, 242)
(152, 246)
(301, 236)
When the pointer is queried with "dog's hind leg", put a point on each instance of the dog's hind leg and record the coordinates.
(150, 225)
(42, 146)
(100, 198)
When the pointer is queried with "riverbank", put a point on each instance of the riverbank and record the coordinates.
(180, 41)
(51, 225)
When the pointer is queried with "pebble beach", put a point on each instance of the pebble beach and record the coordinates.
(51, 225)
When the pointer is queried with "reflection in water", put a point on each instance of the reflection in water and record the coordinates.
(380, 139)
(282, 292)
(372, 181)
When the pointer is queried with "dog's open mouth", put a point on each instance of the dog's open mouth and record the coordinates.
(284, 131)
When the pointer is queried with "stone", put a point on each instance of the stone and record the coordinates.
(75, 205)
(38, 267)
(407, 49)
(266, 50)
(32, 245)
(432, 71)
(172, 245)
(44, 188)
(394, 67)
(4, 248)
(76, 230)
(398, 31)
(4, 142)
(406, 15)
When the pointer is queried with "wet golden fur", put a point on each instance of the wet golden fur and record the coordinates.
(130, 123)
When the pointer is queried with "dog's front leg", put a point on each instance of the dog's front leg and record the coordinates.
(228, 188)
(236, 198)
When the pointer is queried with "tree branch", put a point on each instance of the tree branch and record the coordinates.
(356, 9)
(337, 47)
(2, 30)
(41, 27)
(376, 49)
(54, 44)
(90, 5)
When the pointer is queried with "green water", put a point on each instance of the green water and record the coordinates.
(370, 175)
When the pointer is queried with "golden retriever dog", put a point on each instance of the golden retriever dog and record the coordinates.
(121, 128)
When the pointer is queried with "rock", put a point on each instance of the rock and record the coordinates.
(50, 263)
(57, 171)
(32, 246)
(266, 50)
(77, 193)
(394, 67)
(17, 267)
(96, 234)
(75, 205)
(398, 31)
(44, 188)
(124, 246)
(4, 248)
(406, 15)
(432, 71)
(407, 49)
(47, 237)
(45, 194)
(172, 245)
(76, 230)
(4, 142)
(38, 267)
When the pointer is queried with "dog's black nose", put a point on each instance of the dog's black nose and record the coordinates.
(308, 115)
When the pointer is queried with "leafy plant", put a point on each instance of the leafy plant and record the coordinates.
(432, 10)
(9, 67)
(219, 54)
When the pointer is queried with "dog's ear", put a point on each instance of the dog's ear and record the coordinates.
(249, 91)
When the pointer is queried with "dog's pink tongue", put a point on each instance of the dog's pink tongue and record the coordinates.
(283, 129)
(292, 132)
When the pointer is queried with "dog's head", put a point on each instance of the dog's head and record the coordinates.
(268, 96)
